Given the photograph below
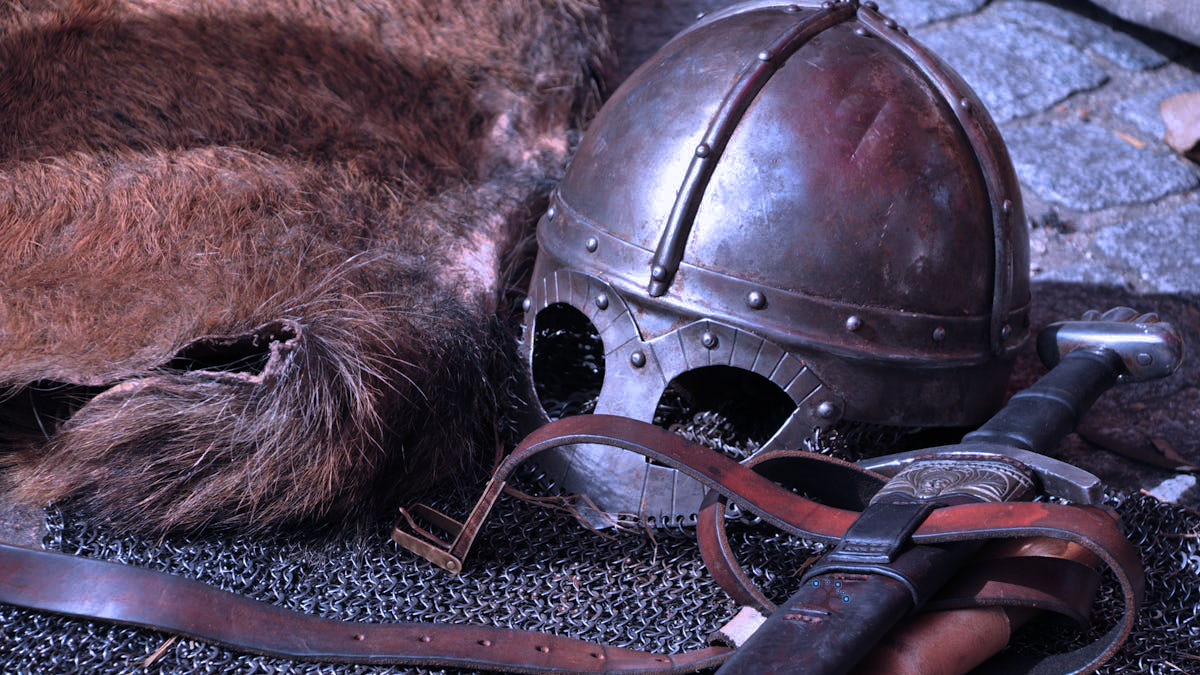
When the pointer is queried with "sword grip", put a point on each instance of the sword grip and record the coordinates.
(1086, 358)
(1037, 418)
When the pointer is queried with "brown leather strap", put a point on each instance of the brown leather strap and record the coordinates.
(1092, 528)
(1047, 584)
(1038, 581)
(94, 589)
(50, 582)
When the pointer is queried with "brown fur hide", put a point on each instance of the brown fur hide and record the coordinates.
(252, 251)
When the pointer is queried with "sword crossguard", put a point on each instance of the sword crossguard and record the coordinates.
(1149, 347)
(1085, 358)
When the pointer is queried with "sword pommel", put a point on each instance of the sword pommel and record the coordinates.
(1148, 347)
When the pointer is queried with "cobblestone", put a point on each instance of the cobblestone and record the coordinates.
(1015, 71)
(1086, 167)
(920, 12)
(1141, 110)
(1084, 32)
(1142, 246)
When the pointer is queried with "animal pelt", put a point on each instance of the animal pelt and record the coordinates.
(253, 252)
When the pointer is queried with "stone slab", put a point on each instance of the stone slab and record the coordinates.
(1180, 18)
(1142, 111)
(1086, 167)
(1015, 71)
(1127, 51)
(1164, 252)
(913, 13)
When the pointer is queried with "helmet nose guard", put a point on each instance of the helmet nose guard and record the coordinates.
(801, 192)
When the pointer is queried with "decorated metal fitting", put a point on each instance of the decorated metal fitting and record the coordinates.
(826, 410)
(637, 359)
(527, 304)
(591, 244)
(756, 300)
(939, 334)
(853, 323)
(601, 301)
(551, 212)
(708, 340)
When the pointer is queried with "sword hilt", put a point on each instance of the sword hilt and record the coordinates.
(874, 576)
(1086, 359)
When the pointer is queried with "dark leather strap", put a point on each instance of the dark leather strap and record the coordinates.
(1036, 581)
(1092, 528)
(93, 589)
(52, 582)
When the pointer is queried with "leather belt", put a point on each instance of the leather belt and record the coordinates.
(52, 582)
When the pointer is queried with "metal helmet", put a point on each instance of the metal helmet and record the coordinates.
(802, 192)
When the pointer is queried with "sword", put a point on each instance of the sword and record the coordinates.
(875, 576)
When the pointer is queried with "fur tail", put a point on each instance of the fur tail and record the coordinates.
(333, 402)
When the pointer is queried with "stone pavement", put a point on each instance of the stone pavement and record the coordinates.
(1114, 214)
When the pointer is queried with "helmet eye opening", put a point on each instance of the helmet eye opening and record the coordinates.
(567, 361)
(725, 408)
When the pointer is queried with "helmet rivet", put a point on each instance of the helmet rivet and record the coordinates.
(657, 273)
(551, 212)
(637, 359)
(853, 323)
(890, 23)
(902, 30)
(527, 304)
(1005, 331)
(796, 8)
(702, 150)
(828, 4)
(602, 301)
(756, 300)
(700, 16)
(1006, 206)
(826, 410)
(939, 334)
(764, 55)
(1144, 359)
(964, 103)
(591, 244)
(870, 4)
(860, 31)
(709, 341)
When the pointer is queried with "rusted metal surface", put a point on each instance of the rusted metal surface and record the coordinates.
(814, 196)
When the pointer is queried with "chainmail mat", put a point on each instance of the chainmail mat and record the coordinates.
(538, 569)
